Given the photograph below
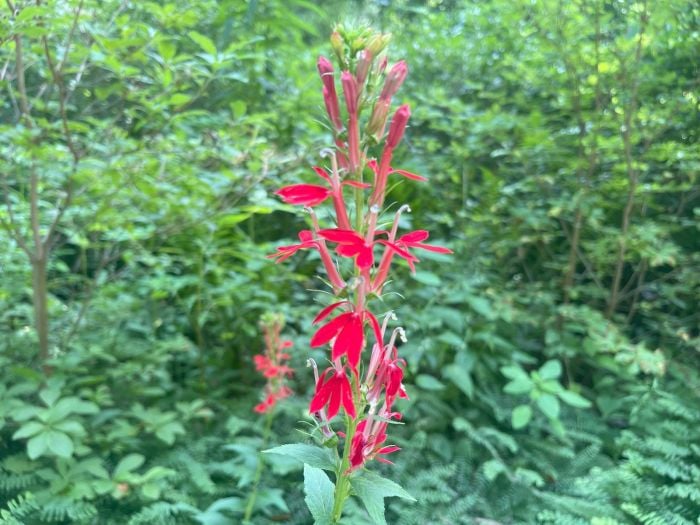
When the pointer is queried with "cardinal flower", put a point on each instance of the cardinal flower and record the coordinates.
(334, 392)
(413, 240)
(285, 252)
(369, 445)
(351, 244)
(375, 168)
(348, 331)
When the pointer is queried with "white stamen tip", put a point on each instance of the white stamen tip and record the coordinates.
(374, 209)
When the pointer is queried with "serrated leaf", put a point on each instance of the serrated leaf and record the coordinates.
(371, 488)
(573, 399)
(521, 416)
(319, 495)
(311, 455)
(549, 405)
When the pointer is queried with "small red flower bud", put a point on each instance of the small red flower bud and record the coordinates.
(350, 91)
(398, 126)
(394, 79)
(363, 64)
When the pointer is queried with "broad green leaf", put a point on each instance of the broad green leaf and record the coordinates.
(28, 430)
(550, 370)
(60, 444)
(514, 372)
(371, 488)
(427, 278)
(37, 445)
(204, 42)
(519, 385)
(549, 405)
(129, 463)
(428, 382)
(460, 377)
(521, 416)
(319, 495)
(492, 468)
(573, 399)
(311, 455)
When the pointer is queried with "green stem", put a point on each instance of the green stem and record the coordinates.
(258, 471)
(342, 484)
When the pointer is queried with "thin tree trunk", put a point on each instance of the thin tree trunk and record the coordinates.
(40, 298)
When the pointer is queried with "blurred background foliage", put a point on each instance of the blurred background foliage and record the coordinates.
(553, 360)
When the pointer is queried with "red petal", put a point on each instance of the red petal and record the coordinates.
(365, 257)
(399, 251)
(329, 330)
(432, 248)
(375, 326)
(341, 236)
(389, 449)
(336, 394)
(327, 310)
(348, 404)
(304, 194)
(409, 175)
(322, 173)
(320, 398)
(415, 236)
(350, 340)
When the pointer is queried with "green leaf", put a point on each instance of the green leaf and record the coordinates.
(514, 372)
(49, 396)
(550, 370)
(311, 455)
(28, 430)
(37, 445)
(150, 491)
(60, 444)
(460, 377)
(204, 42)
(319, 495)
(371, 488)
(549, 405)
(427, 278)
(492, 468)
(573, 399)
(521, 416)
(167, 432)
(129, 463)
(428, 382)
(520, 385)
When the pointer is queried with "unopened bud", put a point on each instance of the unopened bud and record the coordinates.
(338, 47)
(378, 43)
(377, 120)
(394, 79)
(330, 99)
(382, 65)
(350, 91)
(325, 69)
(398, 126)
(363, 63)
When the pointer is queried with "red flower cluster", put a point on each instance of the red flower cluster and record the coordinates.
(271, 363)
(365, 394)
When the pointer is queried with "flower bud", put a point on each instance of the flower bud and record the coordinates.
(382, 65)
(350, 91)
(398, 126)
(331, 102)
(338, 47)
(378, 43)
(363, 63)
(325, 69)
(394, 79)
(377, 120)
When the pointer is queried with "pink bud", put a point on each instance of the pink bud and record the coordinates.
(363, 64)
(325, 69)
(382, 65)
(394, 79)
(398, 126)
(331, 101)
(350, 91)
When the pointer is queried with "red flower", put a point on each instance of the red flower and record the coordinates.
(370, 447)
(351, 244)
(348, 331)
(304, 194)
(333, 392)
(284, 252)
(413, 240)
(265, 405)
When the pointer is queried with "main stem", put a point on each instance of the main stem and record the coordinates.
(342, 484)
